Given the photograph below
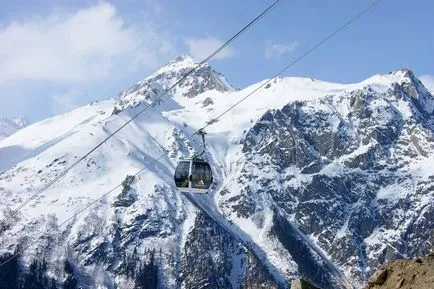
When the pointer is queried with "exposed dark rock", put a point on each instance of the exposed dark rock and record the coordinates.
(208, 260)
(128, 195)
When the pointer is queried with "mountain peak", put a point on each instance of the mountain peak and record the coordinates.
(182, 58)
(181, 63)
(414, 87)
(404, 74)
(203, 78)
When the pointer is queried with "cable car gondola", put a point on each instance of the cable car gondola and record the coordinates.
(194, 174)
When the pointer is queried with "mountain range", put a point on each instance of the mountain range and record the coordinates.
(312, 179)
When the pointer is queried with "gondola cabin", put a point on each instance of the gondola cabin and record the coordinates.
(193, 175)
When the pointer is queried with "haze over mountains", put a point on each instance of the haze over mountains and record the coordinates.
(11, 126)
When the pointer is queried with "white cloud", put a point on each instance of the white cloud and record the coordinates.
(200, 48)
(275, 50)
(79, 46)
(62, 103)
(428, 82)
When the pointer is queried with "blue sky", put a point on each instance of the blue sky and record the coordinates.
(57, 55)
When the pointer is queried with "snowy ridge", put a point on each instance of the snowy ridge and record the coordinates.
(312, 179)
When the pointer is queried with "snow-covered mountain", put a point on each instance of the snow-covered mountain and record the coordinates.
(11, 126)
(314, 179)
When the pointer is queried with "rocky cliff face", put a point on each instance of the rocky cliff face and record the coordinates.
(312, 179)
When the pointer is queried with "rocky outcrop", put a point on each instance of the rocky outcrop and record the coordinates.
(414, 273)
